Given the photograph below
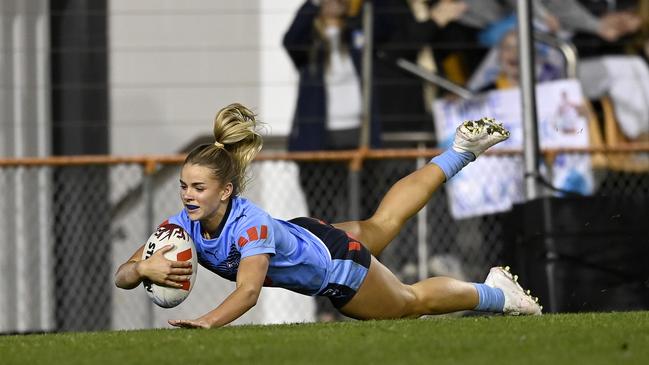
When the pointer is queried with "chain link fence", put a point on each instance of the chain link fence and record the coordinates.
(66, 229)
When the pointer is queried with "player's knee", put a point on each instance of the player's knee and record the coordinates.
(380, 229)
(415, 303)
(430, 301)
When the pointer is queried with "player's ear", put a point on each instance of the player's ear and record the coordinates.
(227, 191)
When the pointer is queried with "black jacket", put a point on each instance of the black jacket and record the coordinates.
(307, 51)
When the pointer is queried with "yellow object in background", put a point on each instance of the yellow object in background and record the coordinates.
(355, 7)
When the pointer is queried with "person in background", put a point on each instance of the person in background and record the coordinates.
(640, 41)
(508, 59)
(603, 31)
(596, 27)
(241, 242)
(325, 45)
(401, 30)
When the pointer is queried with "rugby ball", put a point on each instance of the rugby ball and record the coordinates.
(184, 250)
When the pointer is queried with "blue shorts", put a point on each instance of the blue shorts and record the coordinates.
(351, 260)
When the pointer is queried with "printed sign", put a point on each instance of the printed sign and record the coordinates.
(493, 183)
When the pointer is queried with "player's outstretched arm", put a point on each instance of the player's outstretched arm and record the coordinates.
(157, 269)
(250, 279)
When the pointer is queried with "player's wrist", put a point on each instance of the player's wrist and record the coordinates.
(140, 269)
(207, 323)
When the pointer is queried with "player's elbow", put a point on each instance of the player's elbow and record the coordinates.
(127, 276)
(123, 284)
(120, 283)
(250, 295)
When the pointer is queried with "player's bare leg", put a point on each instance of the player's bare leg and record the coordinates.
(383, 296)
(411, 193)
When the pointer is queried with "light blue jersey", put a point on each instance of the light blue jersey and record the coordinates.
(299, 261)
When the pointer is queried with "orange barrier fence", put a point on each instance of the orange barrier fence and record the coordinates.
(350, 155)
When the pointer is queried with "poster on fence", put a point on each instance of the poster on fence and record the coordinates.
(492, 184)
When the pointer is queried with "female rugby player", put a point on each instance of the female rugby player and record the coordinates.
(241, 242)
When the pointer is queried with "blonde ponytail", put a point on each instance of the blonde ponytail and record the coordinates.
(237, 141)
(236, 127)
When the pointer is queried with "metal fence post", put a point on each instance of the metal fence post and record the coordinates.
(528, 98)
(147, 185)
(368, 34)
(354, 179)
(422, 228)
(354, 185)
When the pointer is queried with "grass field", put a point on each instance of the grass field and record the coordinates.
(591, 338)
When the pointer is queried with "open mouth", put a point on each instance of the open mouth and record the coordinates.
(191, 207)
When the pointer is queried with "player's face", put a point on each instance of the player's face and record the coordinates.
(509, 55)
(205, 198)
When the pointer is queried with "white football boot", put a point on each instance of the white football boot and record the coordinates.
(476, 136)
(517, 300)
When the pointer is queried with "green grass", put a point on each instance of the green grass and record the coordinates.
(590, 338)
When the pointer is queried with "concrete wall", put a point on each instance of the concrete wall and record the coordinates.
(24, 131)
(173, 64)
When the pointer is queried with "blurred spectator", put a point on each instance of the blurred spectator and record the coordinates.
(508, 61)
(640, 42)
(487, 14)
(325, 45)
(500, 68)
(492, 19)
(625, 79)
(597, 26)
(481, 13)
(401, 30)
(602, 32)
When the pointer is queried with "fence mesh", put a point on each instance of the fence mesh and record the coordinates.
(66, 229)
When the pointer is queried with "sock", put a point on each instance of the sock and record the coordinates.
(490, 299)
(452, 161)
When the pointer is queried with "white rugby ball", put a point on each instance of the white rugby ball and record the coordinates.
(184, 250)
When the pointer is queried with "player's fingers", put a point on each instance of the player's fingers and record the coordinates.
(179, 278)
(167, 248)
(181, 264)
(176, 271)
(177, 323)
(183, 323)
(173, 284)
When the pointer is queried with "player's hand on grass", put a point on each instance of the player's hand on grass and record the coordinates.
(189, 323)
(162, 271)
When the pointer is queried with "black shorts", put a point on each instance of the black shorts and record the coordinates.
(350, 260)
